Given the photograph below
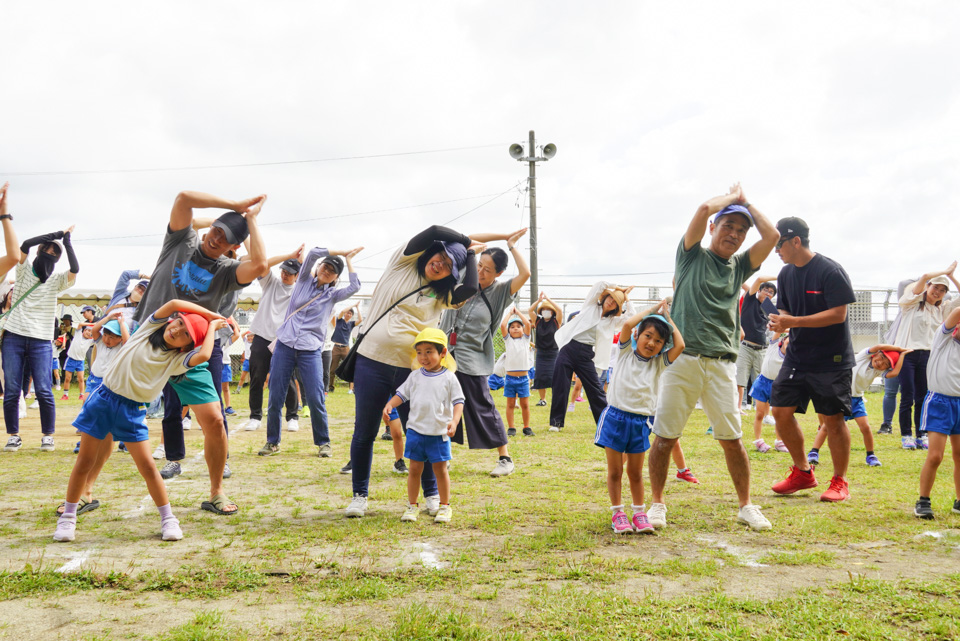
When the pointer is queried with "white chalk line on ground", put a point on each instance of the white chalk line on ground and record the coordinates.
(428, 557)
(141, 508)
(744, 558)
(76, 560)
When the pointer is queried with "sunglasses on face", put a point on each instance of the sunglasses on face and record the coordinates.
(784, 240)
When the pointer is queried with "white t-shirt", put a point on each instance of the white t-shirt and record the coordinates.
(272, 308)
(34, 316)
(943, 367)
(247, 345)
(637, 382)
(103, 358)
(863, 373)
(140, 370)
(772, 361)
(391, 340)
(79, 346)
(432, 396)
(516, 353)
(917, 327)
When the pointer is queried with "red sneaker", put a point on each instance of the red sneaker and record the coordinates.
(64, 398)
(687, 475)
(80, 398)
(796, 481)
(838, 490)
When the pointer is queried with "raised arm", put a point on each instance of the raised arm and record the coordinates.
(249, 270)
(177, 305)
(276, 260)
(674, 352)
(525, 321)
(206, 350)
(12, 257)
(921, 284)
(698, 225)
(523, 270)
(359, 320)
(768, 234)
(181, 215)
(471, 283)
(755, 287)
(627, 328)
(424, 239)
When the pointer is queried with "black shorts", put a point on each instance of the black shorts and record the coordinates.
(829, 391)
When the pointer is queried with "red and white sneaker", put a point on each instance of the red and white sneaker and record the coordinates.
(65, 397)
(838, 490)
(797, 480)
(80, 398)
(641, 524)
(687, 475)
(621, 524)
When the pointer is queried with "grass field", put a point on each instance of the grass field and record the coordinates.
(526, 556)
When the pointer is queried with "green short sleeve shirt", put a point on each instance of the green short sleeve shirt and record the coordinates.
(705, 300)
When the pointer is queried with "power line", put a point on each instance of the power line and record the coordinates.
(76, 172)
(303, 220)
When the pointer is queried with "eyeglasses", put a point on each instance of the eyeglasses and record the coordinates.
(783, 240)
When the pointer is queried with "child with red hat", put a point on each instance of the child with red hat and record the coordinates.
(179, 336)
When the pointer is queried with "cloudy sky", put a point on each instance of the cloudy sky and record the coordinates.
(846, 114)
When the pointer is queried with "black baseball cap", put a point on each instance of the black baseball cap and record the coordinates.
(334, 261)
(792, 227)
(291, 266)
(234, 227)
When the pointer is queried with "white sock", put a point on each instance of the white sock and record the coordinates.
(638, 508)
(616, 508)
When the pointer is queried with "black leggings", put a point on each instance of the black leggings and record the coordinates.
(576, 358)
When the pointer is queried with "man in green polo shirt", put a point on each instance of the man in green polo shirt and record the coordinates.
(706, 289)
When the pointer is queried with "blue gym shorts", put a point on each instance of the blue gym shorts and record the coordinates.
(73, 365)
(108, 413)
(394, 415)
(516, 387)
(56, 362)
(246, 365)
(760, 391)
(426, 449)
(941, 414)
(226, 375)
(93, 382)
(857, 408)
(623, 431)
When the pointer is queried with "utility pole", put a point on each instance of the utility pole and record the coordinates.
(517, 153)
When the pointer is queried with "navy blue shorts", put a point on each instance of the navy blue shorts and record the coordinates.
(941, 414)
(516, 387)
(108, 413)
(760, 391)
(857, 408)
(73, 365)
(425, 448)
(623, 431)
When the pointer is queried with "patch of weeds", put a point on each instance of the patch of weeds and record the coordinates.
(212, 582)
(419, 623)
(205, 626)
(25, 583)
(817, 557)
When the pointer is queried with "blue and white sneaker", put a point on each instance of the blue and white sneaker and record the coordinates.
(908, 443)
(813, 458)
(873, 461)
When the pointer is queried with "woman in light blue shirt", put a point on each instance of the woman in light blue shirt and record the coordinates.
(300, 339)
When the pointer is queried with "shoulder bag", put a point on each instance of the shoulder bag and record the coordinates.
(349, 363)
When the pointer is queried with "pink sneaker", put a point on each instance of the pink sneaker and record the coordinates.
(641, 524)
(761, 446)
(64, 398)
(780, 446)
(579, 399)
(170, 529)
(621, 525)
(66, 528)
(687, 475)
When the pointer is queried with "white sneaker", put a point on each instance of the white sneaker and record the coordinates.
(160, 452)
(57, 387)
(444, 515)
(768, 420)
(503, 468)
(554, 428)
(750, 515)
(187, 423)
(66, 528)
(657, 515)
(170, 529)
(293, 425)
(23, 407)
(357, 507)
(34, 405)
(571, 407)
(252, 425)
(46, 443)
(410, 514)
(432, 504)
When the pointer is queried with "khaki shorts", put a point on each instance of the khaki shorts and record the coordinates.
(690, 378)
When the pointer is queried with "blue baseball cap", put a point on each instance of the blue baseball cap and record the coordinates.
(734, 209)
(113, 326)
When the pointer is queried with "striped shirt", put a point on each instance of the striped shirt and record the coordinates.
(36, 314)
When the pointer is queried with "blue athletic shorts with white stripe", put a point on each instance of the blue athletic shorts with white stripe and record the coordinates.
(760, 391)
(941, 414)
(622, 431)
(857, 408)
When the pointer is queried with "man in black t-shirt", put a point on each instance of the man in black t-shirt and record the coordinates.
(814, 294)
(753, 325)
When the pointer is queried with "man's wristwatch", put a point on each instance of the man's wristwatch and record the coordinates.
(7, 216)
